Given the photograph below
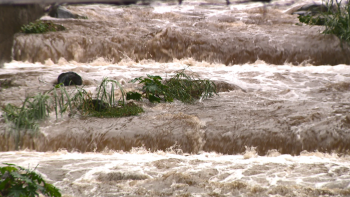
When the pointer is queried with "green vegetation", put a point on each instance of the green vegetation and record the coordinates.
(105, 105)
(187, 88)
(153, 89)
(59, 100)
(312, 20)
(17, 181)
(33, 109)
(182, 86)
(336, 20)
(39, 27)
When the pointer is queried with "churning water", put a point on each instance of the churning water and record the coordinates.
(279, 127)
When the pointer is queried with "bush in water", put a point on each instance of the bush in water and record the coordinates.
(182, 86)
(336, 21)
(18, 181)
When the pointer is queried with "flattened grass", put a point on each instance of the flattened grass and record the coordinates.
(39, 27)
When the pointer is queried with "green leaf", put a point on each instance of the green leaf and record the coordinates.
(7, 169)
(133, 95)
(3, 184)
(17, 191)
(153, 99)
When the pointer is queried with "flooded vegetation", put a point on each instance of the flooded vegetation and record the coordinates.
(279, 124)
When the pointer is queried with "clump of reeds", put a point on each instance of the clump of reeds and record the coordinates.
(26, 117)
(33, 109)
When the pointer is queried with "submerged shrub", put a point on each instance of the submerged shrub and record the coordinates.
(336, 20)
(39, 27)
(188, 88)
(20, 182)
(182, 86)
(153, 89)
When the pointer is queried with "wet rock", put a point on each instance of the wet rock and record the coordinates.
(69, 78)
(222, 86)
(120, 176)
(59, 11)
(309, 9)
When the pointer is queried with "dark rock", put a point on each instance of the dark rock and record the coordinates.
(309, 9)
(59, 11)
(69, 78)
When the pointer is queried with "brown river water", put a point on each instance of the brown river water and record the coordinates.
(280, 125)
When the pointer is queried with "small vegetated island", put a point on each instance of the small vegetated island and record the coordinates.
(183, 86)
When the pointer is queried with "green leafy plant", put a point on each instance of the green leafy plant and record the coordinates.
(153, 89)
(16, 181)
(181, 86)
(336, 20)
(187, 88)
(41, 27)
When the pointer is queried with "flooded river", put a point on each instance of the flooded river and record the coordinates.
(279, 127)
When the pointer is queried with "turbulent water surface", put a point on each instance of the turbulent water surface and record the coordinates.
(279, 127)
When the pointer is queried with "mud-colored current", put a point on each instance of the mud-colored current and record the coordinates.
(280, 125)
(213, 33)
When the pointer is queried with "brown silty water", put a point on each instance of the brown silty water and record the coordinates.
(199, 30)
(279, 126)
(286, 108)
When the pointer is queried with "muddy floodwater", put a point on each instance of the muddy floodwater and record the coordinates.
(279, 126)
